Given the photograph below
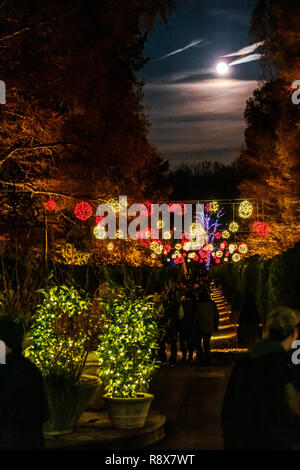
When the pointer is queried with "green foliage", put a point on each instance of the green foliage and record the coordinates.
(65, 328)
(126, 349)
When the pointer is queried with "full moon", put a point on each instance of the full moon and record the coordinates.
(222, 68)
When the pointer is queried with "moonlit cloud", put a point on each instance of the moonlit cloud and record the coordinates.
(245, 50)
(248, 58)
(198, 121)
(194, 43)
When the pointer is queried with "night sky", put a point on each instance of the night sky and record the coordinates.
(195, 114)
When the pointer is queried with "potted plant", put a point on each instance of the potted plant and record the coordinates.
(66, 328)
(126, 356)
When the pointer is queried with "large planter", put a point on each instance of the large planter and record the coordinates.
(66, 404)
(129, 413)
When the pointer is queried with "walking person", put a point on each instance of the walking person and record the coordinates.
(186, 325)
(206, 322)
(261, 409)
(23, 404)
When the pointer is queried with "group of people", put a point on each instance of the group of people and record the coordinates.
(188, 317)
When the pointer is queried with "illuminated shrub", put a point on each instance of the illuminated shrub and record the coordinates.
(65, 328)
(127, 345)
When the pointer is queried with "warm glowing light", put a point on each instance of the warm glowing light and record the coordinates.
(160, 224)
(236, 257)
(100, 232)
(245, 209)
(167, 235)
(225, 234)
(219, 253)
(222, 68)
(233, 227)
(50, 205)
(243, 248)
(110, 246)
(232, 248)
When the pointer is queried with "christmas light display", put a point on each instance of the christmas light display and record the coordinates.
(261, 228)
(233, 227)
(236, 257)
(126, 347)
(225, 234)
(245, 209)
(83, 210)
(243, 248)
(50, 205)
(100, 232)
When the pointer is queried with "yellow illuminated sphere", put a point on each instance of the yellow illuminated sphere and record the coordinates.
(153, 245)
(232, 248)
(110, 246)
(191, 255)
(245, 209)
(177, 246)
(225, 234)
(160, 224)
(219, 253)
(225, 259)
(233, 227)
(243, 248)
(100, 232)
(236, 257)
(174, 256)
(166, 235)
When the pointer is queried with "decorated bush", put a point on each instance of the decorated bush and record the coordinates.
(66, 328)
(127, 346)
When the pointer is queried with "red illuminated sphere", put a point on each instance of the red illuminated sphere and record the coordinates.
(83, 210)
(50, 205)
(99, 220)
(261, 228)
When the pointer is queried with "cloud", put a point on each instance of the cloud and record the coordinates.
(248, 58)
(194, 43)
(200, 120)
(245, 50)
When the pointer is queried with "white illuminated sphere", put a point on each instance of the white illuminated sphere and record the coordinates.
(222, 68)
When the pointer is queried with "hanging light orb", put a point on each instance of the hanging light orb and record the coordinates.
(232, 247)
(160, 224)
(167, 235)
(110, 246)
(233, 227)
(83, 210)
(225, 234)
(261, 228)
(217, 260)
(219, 253)
(100, 232)
(243, 248)
(245, 209)
(236, 257)
(225, 259)
(50, 205)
